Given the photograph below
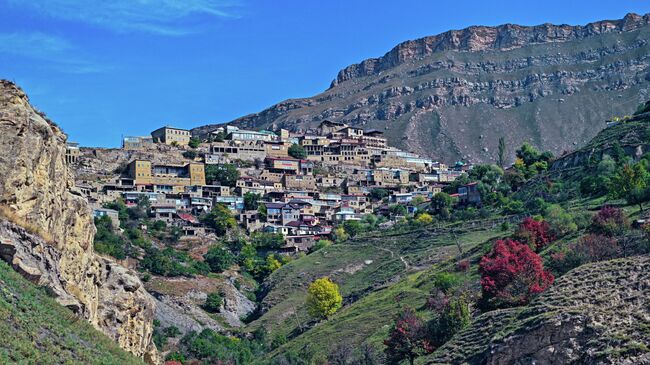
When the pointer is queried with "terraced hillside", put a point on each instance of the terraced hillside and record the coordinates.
(373, 271)
(35, 329)
(597, 313)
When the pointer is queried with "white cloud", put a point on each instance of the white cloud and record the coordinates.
(164, 17)
(53, 52)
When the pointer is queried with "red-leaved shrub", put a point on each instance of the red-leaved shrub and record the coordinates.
(536, 234)
(610, 221)
(512, 273)
(462, 266)
(595, 247)
(407, 339)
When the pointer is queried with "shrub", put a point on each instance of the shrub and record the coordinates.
(340, 235)
(511, 274)
(462, 266)
(251, 201)
(194, 142)
(266, 240)
(560, 221)
(214, 348)
(106, 241)
(220, 219)
(595, 247)
(536, 234)
(219, 259)
(323, 298)
(513, 206)
(213, 302)
(424, 219)
(445, 281)
(407, 338)
(610, 221)
(562, 262)
(452, 317)
(352, 227)
(320, 244)
(190, 154)
(378, 193)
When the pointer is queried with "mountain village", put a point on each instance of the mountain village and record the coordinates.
(298, 185)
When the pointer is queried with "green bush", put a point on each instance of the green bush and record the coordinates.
(213, 302)
(194, 142)
(219, 259)
(446, 281)
(297, 151)
(562, 222)
(106, 241)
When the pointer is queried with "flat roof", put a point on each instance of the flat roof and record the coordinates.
(174, 128)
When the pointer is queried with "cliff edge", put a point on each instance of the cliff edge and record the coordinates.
(47, 230)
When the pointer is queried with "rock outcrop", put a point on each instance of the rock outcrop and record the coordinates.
(454, 95)
(595, 314)
(47, 229)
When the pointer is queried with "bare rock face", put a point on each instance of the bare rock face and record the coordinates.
(47, 229)
(453, 95)
(179, 302)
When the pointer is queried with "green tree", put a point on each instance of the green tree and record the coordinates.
(219, 137)
(353, 227)
(266, 240)
(398, 210)
(378, 193)
(441, 203)
(561, 221)
(631, 184)
(194, 142)
(251, 200)
(323, 298)
(219, 258)
(220, 219)
(340, 235)
(297, 151)
(224, 174)
(261, 212)
(502, 152)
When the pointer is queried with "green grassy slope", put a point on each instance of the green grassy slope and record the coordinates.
(37, 330)
(400, 274)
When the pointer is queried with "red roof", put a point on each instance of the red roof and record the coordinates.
(188, 217)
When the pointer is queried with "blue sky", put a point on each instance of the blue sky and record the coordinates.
(102, 69)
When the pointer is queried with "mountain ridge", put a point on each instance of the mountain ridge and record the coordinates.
(479, 38)
(448, 104)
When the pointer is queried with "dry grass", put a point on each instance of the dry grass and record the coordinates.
(9, 214)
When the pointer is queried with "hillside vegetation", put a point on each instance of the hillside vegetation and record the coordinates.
(35, 329)
(596, 310)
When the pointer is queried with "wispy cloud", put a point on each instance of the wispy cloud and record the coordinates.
(53, 52)
(163, 17)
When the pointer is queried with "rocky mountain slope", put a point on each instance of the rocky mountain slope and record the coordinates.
(455, 94)
(46, 230)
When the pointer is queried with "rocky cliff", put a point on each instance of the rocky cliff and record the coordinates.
(455, 94)
(47, 230)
